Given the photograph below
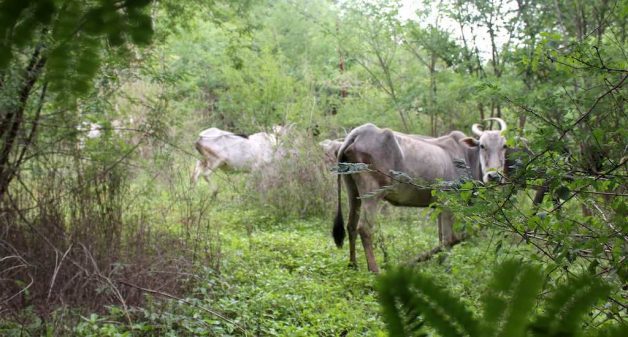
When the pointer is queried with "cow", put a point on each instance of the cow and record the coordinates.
(330, 150)
(236, 152)
(423, 159)
(88, 130)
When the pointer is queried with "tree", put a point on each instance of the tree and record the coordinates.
(437, 46)
(50, 45)
(371, 37)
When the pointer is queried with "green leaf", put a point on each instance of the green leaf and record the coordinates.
(618, 330)
(10, 13)
(137, 3)
(94, 21)
(141, 30)
(6, 54)
(44, 11)
(562, 192)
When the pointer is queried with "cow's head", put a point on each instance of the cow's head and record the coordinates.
(492, 150)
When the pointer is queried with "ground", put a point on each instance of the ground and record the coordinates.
(267, 275)
(285, 277)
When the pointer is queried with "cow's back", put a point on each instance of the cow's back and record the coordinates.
(213, 132)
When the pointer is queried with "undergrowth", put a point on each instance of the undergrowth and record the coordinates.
(278, 276)
(281, 275)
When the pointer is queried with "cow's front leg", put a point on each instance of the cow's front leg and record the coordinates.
(446, 234)
(205, 167)
(365, 228)
(198, 170)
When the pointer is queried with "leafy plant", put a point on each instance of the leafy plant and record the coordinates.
(411, 301)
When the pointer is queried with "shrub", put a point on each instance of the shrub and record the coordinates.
(296, 184)
(78, 232)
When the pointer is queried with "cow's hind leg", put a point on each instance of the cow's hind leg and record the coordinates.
(365, 228)
(446, 234)
(354, 217)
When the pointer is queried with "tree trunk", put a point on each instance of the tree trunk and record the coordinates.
(12, 122)
(433, 111)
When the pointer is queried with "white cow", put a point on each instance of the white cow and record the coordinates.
(228, 151)
(87, 130)
(330, 150)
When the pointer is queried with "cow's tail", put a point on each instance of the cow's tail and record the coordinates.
(339, 227)
(338, 231)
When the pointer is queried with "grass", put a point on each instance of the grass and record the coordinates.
(289, 280)
(285, 277)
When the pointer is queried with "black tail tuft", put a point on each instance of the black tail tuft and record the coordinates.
(339, 229)
(338, 232)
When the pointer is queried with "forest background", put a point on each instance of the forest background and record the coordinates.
(106, 235)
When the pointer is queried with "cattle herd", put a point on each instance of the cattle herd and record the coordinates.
(425, 160)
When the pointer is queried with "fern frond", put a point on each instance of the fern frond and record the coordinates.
(422, 300)
(525, 291)
(620, 330)
(494, 304)
(563, 314)
(388, 299)
(510, 298)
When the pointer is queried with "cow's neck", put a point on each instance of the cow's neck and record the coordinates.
(473, 159)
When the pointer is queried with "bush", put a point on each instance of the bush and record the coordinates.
(77, 232)
(298, 183)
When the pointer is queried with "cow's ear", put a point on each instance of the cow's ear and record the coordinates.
(469, 141)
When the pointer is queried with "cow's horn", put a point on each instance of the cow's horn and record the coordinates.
(476, 130)
(502, 124)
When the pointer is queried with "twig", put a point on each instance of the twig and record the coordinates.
(109, 282)
(426, 256)
(208, 310)
(57, 267)
(609, 224)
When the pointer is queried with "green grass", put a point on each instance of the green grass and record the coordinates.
(289, 280)
(285, 277)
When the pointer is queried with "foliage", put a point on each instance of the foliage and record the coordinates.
(411, 300)
(554, 70)
(299, 168)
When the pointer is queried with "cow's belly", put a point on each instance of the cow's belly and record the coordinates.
(409, 196)
(240, 163)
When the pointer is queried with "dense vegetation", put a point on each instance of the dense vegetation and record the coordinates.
(106, 236)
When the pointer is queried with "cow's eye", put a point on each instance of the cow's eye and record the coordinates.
(482, 146)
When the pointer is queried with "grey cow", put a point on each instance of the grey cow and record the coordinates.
(423, 159)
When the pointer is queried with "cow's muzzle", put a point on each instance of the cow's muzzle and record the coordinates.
(492, 176)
